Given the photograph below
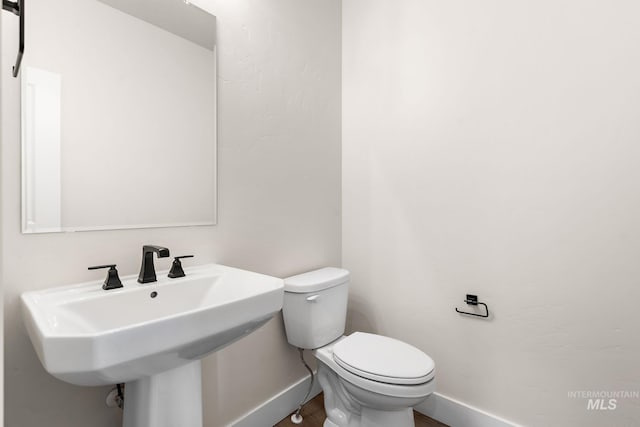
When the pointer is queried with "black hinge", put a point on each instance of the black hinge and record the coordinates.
(17, 8)
(11, 6)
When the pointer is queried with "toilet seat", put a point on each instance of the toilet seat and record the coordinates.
(325, 355)
(383, 359)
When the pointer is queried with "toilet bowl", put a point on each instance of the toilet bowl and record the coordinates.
(368, 380)
(353, 400)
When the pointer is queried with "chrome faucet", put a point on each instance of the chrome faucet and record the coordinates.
(147, 270)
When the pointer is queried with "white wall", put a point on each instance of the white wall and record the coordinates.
(279, 208)
(492, 148)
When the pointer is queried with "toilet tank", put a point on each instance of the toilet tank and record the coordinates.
(315, 307)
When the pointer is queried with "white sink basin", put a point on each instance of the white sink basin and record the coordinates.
(85, 335)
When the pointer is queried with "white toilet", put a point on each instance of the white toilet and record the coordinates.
(368, 380)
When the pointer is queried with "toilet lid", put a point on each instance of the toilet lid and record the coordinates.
(383, 359)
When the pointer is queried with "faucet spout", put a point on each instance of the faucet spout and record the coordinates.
(147, 269)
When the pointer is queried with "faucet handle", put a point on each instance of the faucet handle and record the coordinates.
(112, 281)
(176, 267)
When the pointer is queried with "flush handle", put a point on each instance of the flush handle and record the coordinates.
(313, 298)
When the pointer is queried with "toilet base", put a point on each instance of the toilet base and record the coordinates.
(374, 418)
(344, 410)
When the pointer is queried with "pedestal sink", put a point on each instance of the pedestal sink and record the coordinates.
(149, 336)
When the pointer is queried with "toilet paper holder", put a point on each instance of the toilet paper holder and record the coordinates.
(473, 300)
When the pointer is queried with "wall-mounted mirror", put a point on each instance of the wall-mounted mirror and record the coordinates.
(118, 115)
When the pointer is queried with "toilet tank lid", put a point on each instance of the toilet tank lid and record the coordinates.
(316, 280)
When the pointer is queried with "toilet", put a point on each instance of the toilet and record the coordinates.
(368, 380)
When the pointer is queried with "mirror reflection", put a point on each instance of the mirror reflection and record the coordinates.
(118, 115)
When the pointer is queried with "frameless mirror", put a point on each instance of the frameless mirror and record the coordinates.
(118, 115)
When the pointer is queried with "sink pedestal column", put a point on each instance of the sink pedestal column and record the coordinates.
(169, 399)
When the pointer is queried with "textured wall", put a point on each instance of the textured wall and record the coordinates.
(492, 148)
(278, 207)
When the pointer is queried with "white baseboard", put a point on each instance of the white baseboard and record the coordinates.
(278, 407)
(437, 406)
(457, 414)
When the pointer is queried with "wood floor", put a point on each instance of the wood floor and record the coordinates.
(313, 414)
